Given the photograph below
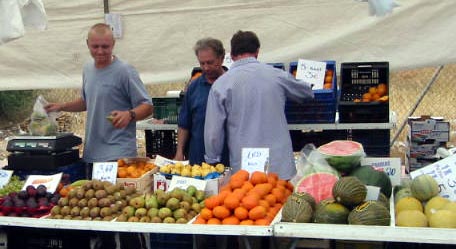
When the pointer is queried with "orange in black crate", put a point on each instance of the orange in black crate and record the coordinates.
(364, 96)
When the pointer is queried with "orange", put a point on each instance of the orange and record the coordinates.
(131, 168)
(221, 212)
(250, 201)
(264, 203)
(382, 89)
(272, 180)
(122, 173)
(258, 212)
(241, 213)
(375, 97)
(231, 201)
(199, 220)
(236, 182)
(247, 186)
(211, 202)
(262, 189)
(327, 86)
(271, 199)
(273, 175)
(262, 222)
(214, 221)
(239, 193)
(120, 163)
(205, 214)
(279, 194)
(225, 187)
(372, 90)
(367, 97)
(231, 220)
(258, 177)
(247, 222)
(241, 174)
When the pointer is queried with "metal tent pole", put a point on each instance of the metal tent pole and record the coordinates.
(423, 93)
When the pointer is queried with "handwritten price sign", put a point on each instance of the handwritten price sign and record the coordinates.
(444, 172)
(255, 159)
(390, 165)
(105, 171)
(312, 72)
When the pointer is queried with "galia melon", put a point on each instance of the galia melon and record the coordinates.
(349, 191)
(424, 187)
(330, 212)
(370, 213)
(343, 155)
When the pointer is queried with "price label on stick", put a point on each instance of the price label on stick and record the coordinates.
(5, 176)
(255, 159)
(312, 72)
(105, 171)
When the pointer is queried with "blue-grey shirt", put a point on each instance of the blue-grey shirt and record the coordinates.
(246, 105)
(115, 87)
(192, 117)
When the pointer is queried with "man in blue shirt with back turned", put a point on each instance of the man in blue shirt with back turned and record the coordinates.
(210, 54)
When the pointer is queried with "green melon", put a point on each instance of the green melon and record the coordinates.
(349, 191)
(330, 212)
(343, 155)
(424, 187)
(297, 209)
(369, 176)
(370, 213)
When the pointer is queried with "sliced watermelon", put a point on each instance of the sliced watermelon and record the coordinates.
(343, 155)
(318, 184)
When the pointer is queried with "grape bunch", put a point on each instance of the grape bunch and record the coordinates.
(14, 185)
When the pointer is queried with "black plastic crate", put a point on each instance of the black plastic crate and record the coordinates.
(161, 142)
(376, 143)
(175, 241)
(29, 238)
(167, 108)
(356, 79)
(299, 138)
(322, 109)
(278, 65)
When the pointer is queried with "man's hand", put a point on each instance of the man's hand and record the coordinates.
(53, 107)
(120, 119)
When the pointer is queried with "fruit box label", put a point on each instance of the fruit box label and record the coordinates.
(444, 172)
(390, 165)
(184, 182)
(50, 181)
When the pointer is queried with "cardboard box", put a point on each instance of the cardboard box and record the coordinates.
(142, 184)
(212, 185)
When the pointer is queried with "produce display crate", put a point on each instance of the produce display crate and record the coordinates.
(322, 109)
(167, 108)
(376, 143)
(356, 79)
(161, 142)
(168, 240)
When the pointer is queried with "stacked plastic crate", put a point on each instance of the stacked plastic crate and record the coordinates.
(425, 135)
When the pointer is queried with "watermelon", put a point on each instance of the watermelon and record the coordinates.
(318, 184)
(343, 155)
(369, 176)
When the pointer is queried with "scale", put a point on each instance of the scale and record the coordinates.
(42, 152)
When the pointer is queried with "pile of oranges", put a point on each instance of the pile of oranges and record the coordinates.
(375, 93)
(246, 200)
(133, 169)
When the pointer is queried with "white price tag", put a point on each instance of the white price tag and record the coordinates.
(444, 172)
(255, 159)
(312, 72)
(184, 182)
(51, 181)
(113, 20)
(105, 171)
(5, 176)
(163, 161)
(390, 165)
(372, 193)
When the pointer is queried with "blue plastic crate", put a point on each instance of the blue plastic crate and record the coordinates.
(322, 109)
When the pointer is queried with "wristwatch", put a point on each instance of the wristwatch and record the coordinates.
(132, 114)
